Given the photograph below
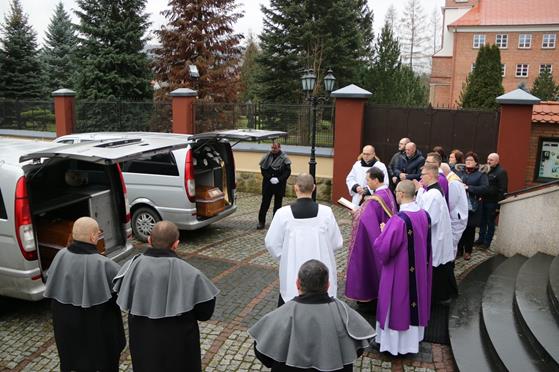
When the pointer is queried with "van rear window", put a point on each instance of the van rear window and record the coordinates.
(3, 214)
(161, 164)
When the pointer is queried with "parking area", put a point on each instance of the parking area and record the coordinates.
(232, 254)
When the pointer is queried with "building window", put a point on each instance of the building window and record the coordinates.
(545, 67)
(503, 69)
(473, 67)
(479, 40)
(502, 40)
(525, 41)
(549, 40)
(522, 70)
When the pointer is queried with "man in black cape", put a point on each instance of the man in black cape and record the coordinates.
(312, 332)
(87, 322)
(165, 297)
(276, 169)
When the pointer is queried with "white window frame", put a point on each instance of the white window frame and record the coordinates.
(472, 67)
(544, 66)
(550, 43)
(503, 69)
(521, 66)
(502, 39)
(522, 38)
(478, 40)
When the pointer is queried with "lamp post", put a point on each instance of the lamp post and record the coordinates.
(308, 81)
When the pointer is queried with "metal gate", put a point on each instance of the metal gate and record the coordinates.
(428, 127)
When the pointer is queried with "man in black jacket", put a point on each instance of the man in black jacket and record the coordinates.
(394, 161)
(410, 165)
(276, 169)
(498, 183)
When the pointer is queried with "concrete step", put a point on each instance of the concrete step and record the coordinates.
(507, 342)
(533, 308)
(553, 287)
(464, 320)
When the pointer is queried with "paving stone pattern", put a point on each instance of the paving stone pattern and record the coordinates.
(232, 254)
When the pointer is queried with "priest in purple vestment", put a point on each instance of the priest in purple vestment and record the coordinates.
(404, 249)
(435, 158)
(363, 267)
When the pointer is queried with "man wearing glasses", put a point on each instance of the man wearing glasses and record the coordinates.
(356, 180)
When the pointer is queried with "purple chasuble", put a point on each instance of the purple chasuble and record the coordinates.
(391, 248)
(363, 267)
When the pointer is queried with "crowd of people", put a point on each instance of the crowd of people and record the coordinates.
(410, 222)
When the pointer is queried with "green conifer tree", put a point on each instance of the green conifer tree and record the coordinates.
(485, 83)
(545, 88)
(248, 84)
(317, 34)
(386, 66)
(200, 33)
(57, 54)
(20, 70)
(111, 60)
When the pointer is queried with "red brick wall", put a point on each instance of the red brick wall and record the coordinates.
(441, 75)
(465, 55)
(538, 131)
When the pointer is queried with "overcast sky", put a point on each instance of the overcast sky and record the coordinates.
(40, 12)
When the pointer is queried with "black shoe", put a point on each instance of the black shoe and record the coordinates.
(260, 226)
(478, 242)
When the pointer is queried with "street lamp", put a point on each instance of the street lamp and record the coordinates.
(308, 82)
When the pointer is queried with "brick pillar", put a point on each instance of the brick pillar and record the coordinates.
(348, 135)
(64, 108)
(513, 144)
(183, 110)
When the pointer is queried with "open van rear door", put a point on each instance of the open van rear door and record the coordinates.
(240, 135)
(110, 151)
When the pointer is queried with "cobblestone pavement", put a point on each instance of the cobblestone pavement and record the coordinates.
(232, 254)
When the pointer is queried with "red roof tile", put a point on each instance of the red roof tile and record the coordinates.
(511, 12)
(546, 112)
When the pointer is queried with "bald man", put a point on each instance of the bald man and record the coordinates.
(87, 322)
(165, 297)
(410, 164)
(498, 185)
(395, 160)
(356, 180)
(302, 231)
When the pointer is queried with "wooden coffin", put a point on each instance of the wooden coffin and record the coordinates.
(209, 201)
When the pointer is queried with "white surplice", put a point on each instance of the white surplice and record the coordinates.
(441, 234)
(358, 175)
(458, 207)
(293, 241)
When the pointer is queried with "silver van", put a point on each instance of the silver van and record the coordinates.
(167, 186)
(44, 187)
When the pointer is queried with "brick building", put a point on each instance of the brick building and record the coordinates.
(526, 31)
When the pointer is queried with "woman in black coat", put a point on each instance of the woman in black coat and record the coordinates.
(476, 183)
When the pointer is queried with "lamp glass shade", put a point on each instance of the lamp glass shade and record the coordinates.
(308, 80)
(329, 81)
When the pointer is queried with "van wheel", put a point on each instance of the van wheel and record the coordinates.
(143, 221)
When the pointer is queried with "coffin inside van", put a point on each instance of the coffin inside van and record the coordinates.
(212, 172)
(66, 190)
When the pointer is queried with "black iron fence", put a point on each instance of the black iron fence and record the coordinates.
(27, 115)
(293, 119)
(122, 116)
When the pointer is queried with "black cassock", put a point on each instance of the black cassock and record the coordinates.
(87, 322)
(165, 298)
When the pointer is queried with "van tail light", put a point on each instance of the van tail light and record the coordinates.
(23, 223)
(125, 192)
(189, 183)
(232, 159)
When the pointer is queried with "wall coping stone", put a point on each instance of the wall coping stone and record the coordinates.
(183, 92)
(351, 91)
(63, 93)
(518, 97)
